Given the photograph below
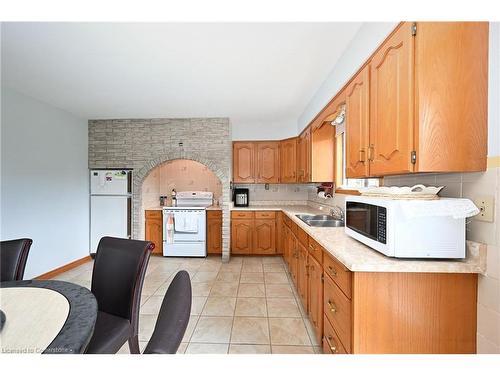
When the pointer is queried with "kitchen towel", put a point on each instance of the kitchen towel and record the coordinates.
(185, 222)
(458, 208)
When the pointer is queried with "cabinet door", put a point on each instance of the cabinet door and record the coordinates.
(316, 297)
(214, 236)
(293, 257)
(264, 237)
(451, 62)
(304, 156)
(154, 233)
(241, 236)
(268, 162)
(288, 160)
(302, 274)
(286, 246)
(244, 162)
(357, 122)
(391, 107)
(279, 232)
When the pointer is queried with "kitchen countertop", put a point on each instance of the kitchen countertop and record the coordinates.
(358, 257)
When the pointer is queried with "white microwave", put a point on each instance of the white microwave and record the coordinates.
(384, 225)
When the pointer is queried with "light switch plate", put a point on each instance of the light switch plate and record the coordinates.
(486, 205)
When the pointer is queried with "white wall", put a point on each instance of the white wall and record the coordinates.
(44, 181)
(263, 130)
(364, 43)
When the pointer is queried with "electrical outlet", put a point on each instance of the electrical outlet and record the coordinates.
(486, 206)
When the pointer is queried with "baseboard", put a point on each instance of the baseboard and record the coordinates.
(65, 268)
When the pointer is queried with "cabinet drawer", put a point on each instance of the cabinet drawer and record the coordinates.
(302, 237)
(265, 214)
(241, 214)
(287, 221)
(153, 214)
(338, 273)
(315, 250)
(337, 308)
(214, 214)
(331, 342)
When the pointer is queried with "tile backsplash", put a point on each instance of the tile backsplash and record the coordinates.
(276, 192)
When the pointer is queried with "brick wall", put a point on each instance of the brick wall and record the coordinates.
(142, 144)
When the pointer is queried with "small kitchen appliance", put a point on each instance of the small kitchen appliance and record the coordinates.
(409, 228)
(241, 197)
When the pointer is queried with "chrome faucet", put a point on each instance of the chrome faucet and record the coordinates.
(337, 212)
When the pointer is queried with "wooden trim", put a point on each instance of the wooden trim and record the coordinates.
(347, 191)
(65, 268)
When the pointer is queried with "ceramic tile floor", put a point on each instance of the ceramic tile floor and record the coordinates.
(248, 305)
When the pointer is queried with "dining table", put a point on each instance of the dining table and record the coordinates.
(46, 316)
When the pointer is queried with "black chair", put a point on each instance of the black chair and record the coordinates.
(13, 257)
(117, 278)
(173, 317)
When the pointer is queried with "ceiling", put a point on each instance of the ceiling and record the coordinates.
(250, 72)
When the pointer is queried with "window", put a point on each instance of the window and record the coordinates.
(340, 165)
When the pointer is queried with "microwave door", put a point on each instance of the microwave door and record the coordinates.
(362, 218)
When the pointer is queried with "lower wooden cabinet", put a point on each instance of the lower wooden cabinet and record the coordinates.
(302, 274)
(265, 237)
(315, 307)
(214, 232)
(153, 229)
(293, 256)
(253, 232)
(241, 236)
(331, 341)
(380, 312)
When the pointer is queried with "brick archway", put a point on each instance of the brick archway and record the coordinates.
(214, 165)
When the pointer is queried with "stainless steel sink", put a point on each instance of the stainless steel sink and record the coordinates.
(321, 220)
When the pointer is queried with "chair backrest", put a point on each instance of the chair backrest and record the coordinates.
(173, 317)
(13, 257)
(118, 275)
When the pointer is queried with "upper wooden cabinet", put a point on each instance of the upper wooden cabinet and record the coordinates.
(304, 156)
(357, 123)
(288, 160)
(420, 103)
(391, 105)
(244, 162)
(268, 162)
(451, 69)
(256, 162)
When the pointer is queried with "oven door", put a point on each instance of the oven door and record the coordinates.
(188, 225)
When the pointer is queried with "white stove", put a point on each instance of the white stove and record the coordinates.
(184, 226)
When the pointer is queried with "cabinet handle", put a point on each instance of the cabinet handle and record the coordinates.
(362, 155)
(332, 270)
(332, 306)
(370, 152)
(333, 347)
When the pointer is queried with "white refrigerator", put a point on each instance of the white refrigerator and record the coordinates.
(110, 204)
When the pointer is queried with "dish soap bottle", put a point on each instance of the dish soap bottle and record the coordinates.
(174, 198)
